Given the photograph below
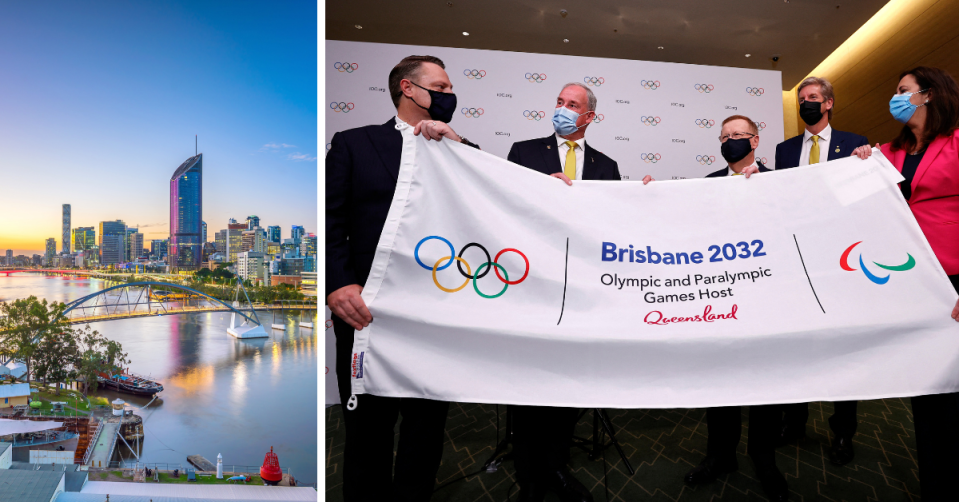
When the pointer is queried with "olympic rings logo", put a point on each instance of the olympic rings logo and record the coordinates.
(594, 81)
(468, 274)
(472, 112)
(536, 77)
(346, 67)
(328, 146)
(755, 91)
(477, 74)
(650, 121)
(705, 159)
(707, 88)
(650, 157)
(650, 84)
(534, 115)
(760, 125)
(705, 123)
(763, 160)
(599, 117)
(341, 107)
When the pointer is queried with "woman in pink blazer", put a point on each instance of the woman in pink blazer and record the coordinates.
(926, 152)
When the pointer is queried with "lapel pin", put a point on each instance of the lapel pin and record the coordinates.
(549, 147)
(837, 149)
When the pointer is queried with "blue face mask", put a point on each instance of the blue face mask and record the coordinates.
(900, 107)
(564, 121)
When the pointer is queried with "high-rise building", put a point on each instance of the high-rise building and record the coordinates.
(297, 232)
(83, 238)
(158, 249)
(273, 233)
(186, 215)
(252, 266)
(254, 240)
(134, 244)
(112, 239)
(219, 240)
(9, 260)
(234, 239)
(252, 222)
(51, 250)
(204, 232)
(65, 246)
(308, 245)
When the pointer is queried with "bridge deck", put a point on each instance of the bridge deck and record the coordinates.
(180, 310)
(106, 443)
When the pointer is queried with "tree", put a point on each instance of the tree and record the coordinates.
(27, 321)
(57, 357)
(97, 355)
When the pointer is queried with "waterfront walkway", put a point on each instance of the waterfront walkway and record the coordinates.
(106, 442)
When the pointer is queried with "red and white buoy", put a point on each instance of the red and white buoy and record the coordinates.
(270, 472)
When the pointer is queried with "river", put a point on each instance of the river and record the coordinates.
(221, 395)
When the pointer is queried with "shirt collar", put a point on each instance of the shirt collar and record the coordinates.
(824, 135)
(729, 170)
(560, 141)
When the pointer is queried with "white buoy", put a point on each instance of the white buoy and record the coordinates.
(219, 466)
(118, 407)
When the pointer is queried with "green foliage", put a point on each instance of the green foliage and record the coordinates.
(25, 323)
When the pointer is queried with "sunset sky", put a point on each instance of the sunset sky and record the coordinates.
(100, 102)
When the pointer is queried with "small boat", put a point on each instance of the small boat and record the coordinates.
(305, 324)
(130, 383)
(270, 472)
(281, 327)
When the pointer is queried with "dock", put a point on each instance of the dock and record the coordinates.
(104, 444)
(201, 463)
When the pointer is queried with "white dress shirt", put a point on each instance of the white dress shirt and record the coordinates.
(824, 136)
(730, 172)
(580, 154)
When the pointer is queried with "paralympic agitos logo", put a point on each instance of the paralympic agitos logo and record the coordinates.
(844, 264)
(481, 271)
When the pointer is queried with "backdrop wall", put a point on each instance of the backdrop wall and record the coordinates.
(653, 118)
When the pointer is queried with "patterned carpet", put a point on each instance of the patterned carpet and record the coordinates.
(662, 445)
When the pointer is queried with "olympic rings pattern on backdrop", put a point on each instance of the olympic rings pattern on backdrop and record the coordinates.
(468, 274)
(599, 117)
(760, 125)
(477, 74)
(347, 67)
(536, 77)
(650, 84)
(704, 87)
(755, 91)
(650, 120)
(341, 107)
(650, 157)
(533, 114)
(763, 160)
(705, 123)
(594, 81)
(472, 112)
(705, 159)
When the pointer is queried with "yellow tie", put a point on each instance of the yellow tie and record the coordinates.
(570, 168)
(814, 151)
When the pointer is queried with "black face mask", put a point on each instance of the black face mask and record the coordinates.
(809, 112)
(442, 104)
(734, 150)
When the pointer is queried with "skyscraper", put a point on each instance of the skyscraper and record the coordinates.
(51, 249)
(83, 238)
(9, 260)
(134, 244)
(112, 240)
(297, 233)
(204, 232)
(252, 222)
(273, 233)
(65, 246)
(186, 215)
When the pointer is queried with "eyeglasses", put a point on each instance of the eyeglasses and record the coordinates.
(736, 135)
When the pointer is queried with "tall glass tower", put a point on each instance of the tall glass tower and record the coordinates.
(186, 215)
(65, 246)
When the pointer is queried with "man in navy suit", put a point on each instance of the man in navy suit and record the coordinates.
(738, 140)
(361, 170)
(542, 435)
(819, 143)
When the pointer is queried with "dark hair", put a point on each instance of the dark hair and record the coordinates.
(752, 125)
(942, 111)
(405, 69)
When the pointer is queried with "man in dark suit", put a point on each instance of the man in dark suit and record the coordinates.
(816, 101)
(739, 139)
(361, 170)
(542, 435)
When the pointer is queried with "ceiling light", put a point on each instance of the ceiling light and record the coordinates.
(565, 40)
(466, 33)
(747, 55)
(660, 47)
(357, 26)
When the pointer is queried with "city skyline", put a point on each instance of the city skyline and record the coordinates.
(109, 95)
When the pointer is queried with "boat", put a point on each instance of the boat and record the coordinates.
(130, 383)
(270, 471)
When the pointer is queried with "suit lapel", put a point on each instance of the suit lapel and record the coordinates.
(388, 143)
(551, 155)
(931, 152)
(834, 143)
(796, 152)
(589, 164)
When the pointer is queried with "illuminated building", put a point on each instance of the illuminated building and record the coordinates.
(83, 238)
(112, 241)
(273, 233)
(51, 249)
(66, 229)
(186, 215)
